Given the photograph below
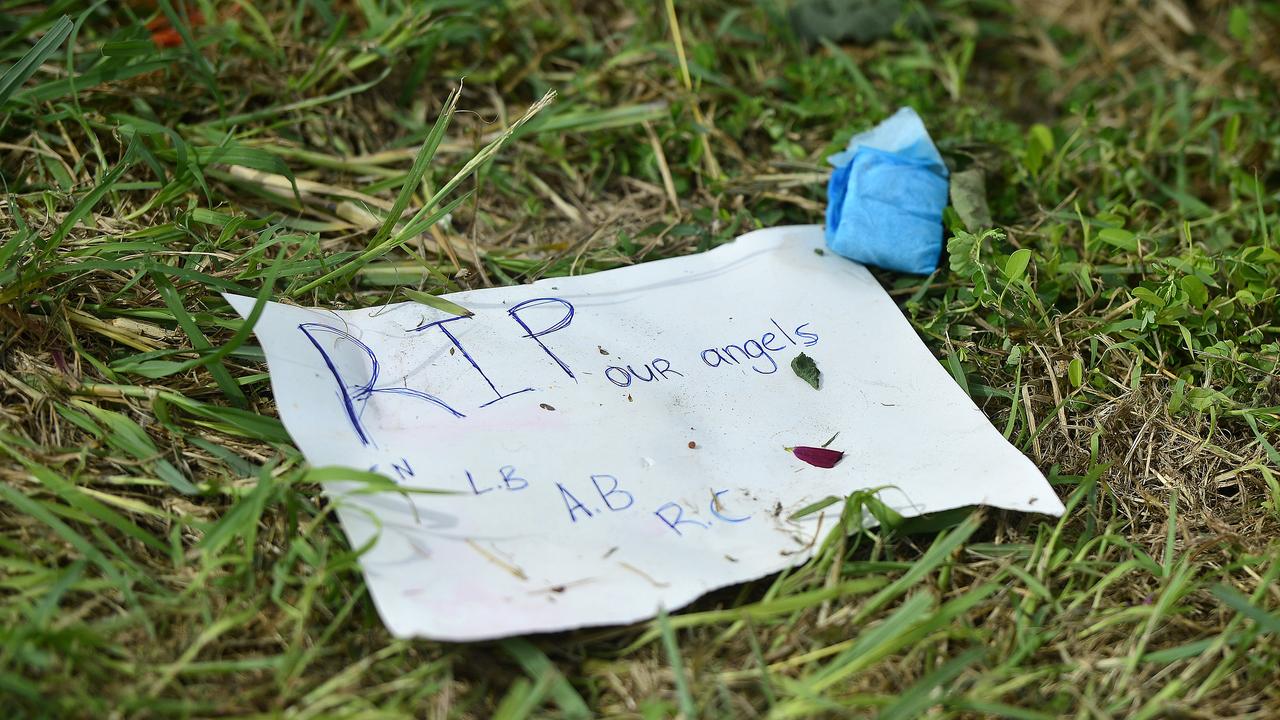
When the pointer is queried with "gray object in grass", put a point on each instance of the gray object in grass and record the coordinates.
(859, 21)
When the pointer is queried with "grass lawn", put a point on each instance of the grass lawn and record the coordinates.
(165, 551)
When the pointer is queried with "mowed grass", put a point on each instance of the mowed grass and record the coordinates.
(166, 552)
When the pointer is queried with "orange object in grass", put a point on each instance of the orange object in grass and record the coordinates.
(165, 35)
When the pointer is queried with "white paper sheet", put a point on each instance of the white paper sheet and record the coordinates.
(617, 441)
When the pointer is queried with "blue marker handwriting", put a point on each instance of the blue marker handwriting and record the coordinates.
(590, 498)
(757, 354)
(356, 387)
(601, 494)
(354, 395)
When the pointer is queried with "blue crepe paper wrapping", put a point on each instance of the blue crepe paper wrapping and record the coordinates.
(886, 196)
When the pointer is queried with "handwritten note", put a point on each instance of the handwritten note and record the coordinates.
(618, 442)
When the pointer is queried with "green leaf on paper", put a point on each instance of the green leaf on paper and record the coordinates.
(806, 369)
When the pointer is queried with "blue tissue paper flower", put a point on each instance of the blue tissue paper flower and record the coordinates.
(886, 195)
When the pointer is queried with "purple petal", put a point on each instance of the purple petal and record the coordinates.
(818, 457)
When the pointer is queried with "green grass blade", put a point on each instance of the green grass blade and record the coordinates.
(916, 700)
(73, 496)
(86, 204)
(428, 215)
(111, 70)
(421, 163)
(181, 23)
(18, 73)
(415, 227)
(688, 708)
(125, 435)
(437, 302)
(241, 521)
(199, 342)
(41, 512)
(540, 668)
(1270, 622)
(939, 552)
